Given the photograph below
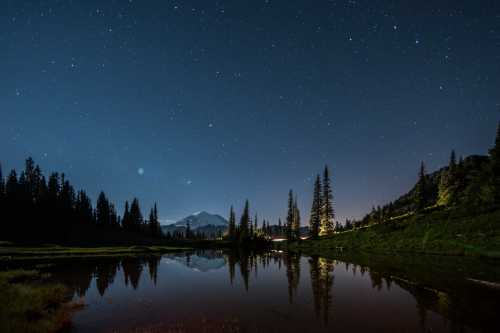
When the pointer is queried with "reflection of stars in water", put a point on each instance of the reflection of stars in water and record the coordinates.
(140, 171)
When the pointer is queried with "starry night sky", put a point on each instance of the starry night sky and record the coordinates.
(200, 104)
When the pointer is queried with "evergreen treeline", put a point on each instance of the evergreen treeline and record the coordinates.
(321, 221)
(203, 233)
(36, 209)
(471, 184)
(247, 230)
(292, 218)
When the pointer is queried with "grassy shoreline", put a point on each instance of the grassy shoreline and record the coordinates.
(30, 303)
(440, 233)
(10, 252)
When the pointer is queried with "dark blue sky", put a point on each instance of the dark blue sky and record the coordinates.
(220, 101)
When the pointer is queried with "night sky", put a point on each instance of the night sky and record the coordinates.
(200, 104)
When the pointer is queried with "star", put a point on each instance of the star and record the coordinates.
(140, 171)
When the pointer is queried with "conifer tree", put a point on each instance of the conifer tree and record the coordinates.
(136, 219)
(53, 186)
(250, 231)
(290, 216)
(188, 231)
(154, 224)
(421, 189)
(255, 225)
(83, 208)
(113, 217)
(2, 196)
(157, 221)
(315, 219)
(446, 187)
(2, 185)
(126, 223)
(495, 167)
(296, 221)
(66, 196)
(280, 227)
(245, 223)
(232, 225)
(103, 211)
(327, 214)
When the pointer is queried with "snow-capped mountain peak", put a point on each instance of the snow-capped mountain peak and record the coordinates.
(201, 219)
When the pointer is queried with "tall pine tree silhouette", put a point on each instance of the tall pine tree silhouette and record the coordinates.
(290, 216)
(421, 189)
(136, 219)
(495, 167)
(327, 212)
(296, 220)
(153, 223)
(315, 218)
(245, 223)
(232, 225)
(103, 211)
(446, 187)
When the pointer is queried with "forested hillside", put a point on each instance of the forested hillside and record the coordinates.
(454, 210)
(470, 184)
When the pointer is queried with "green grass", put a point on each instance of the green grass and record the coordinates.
(12, 252)
(438, 232)
(31, 304)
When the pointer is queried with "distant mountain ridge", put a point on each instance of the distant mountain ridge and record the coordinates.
(209, 224)
(201, 219)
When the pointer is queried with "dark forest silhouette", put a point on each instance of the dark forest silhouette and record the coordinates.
(35, 209)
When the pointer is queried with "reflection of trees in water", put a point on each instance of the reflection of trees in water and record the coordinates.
(77, 275)
(463, 303)
(153, 262)
(248, 262)
(376, 279)
(105, 275)
(321, 271)
(244, 267)
(132, 269)
(457, 301)
(292, 264)
(231, 261)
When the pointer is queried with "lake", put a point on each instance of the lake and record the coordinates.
(238, 291)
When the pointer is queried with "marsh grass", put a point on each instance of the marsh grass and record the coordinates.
(31, 304)
(13, 252)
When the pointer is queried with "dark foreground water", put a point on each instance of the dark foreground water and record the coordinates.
(212, 291)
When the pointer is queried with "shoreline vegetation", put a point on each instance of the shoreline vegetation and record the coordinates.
(9, 251)
(31, 303)
(454, 210)
(442, 232)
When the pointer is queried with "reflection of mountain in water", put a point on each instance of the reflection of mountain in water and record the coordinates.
(446, 291)
(201, 261)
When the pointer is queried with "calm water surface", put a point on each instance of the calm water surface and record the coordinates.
(268, 292)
